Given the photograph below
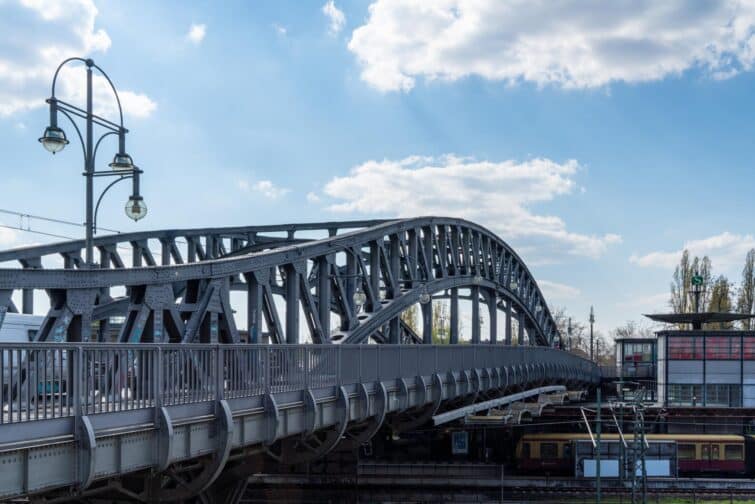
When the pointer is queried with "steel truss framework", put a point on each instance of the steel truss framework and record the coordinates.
(286, 275)
(185, 297)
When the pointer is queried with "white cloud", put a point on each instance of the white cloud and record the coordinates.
(35, 36)
(335, 16)
(726, 251)
(558, 291)
(496, 194)
(7, 236)
(313, 198)
(264, 187)
(570, 43)
(280, 29)
(196, 33)
(646, 303)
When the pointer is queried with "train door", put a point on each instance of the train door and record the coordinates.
(710, 456)
(705, 457)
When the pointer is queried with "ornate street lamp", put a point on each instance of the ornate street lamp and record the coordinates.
(54, 140)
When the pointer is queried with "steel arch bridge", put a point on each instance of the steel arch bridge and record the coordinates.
(181, 387)
(186, 296)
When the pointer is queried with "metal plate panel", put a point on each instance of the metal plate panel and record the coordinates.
(49, 467)
(200, 441)
(137, 451)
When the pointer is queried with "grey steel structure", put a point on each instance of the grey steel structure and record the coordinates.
(178, 400)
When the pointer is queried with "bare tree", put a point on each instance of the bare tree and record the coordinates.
(681, 285)
(746, 297)
(720, 300)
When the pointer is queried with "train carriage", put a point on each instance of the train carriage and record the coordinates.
(696, 453)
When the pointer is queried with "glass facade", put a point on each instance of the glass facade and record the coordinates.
(685, 347)
(685, 395)
(723, 395)
(707, 368)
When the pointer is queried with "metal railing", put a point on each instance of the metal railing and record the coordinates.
(40, 381)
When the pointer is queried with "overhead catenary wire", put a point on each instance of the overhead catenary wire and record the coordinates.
(28, 216)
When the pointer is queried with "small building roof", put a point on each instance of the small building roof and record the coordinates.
(697, 319)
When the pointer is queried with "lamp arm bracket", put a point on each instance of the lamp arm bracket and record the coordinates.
(99, 200)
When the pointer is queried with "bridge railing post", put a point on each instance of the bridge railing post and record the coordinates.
(78, 385)
(157, 378)
(266, 368)
(339, 377)
(220, 373)
(307, 357)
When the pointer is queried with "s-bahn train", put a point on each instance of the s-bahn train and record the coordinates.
(695, 453)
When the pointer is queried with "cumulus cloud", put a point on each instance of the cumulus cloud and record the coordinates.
(726, 250)
(499, 195)
(264, 187)
(570, 43)
(558, 291)
(35, 36)
(8, 236)
(335, 16)
(196, 33)
(647, 302)
(312, 198)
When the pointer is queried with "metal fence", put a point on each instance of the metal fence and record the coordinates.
(49, 380)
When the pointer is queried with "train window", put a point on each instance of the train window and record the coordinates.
(548, 450)
(526, 450)
(685, 452)
(733, 452)
(714, 453)
(706, 452)
(567, 451)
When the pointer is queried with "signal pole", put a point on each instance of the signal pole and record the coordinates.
(592, 321)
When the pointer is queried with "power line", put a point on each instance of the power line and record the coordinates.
(48, 219)
(29, 230)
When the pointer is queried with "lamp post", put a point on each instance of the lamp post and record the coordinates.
(54, 140)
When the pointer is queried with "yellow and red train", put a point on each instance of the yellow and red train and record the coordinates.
(695, 453)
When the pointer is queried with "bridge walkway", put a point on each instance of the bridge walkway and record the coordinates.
(76, 416)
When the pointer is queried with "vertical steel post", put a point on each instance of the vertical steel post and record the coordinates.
(493, 315)
(475, 291)
(454, 333)
(324, 294)
(508, 322)
(427, 322)
(292, 305)
(89, 169)
(253, 308)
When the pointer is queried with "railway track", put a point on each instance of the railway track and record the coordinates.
(513, 489)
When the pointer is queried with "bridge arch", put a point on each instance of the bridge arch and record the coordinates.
(186, 298)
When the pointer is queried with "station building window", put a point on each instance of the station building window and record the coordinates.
(727, 396)
(685, 347)
(638, 352)
(748, 350)
(685, 395)
(722, 347)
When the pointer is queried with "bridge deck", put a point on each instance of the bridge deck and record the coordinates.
(76, 413)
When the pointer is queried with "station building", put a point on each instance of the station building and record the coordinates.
(708, 368)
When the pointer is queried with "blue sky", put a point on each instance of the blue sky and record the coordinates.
(599, 140)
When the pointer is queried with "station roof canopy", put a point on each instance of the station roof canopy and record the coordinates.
(697, 319)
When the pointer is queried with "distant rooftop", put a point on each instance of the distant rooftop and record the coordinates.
(697, 319)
